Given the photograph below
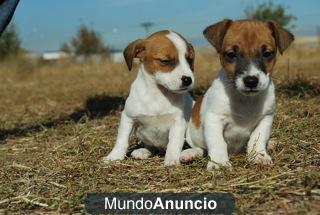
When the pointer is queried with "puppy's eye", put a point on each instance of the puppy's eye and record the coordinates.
(268, 54)
(166, 62)
(231, 55)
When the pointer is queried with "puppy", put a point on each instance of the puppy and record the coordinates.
(237, 110)
(158, 105)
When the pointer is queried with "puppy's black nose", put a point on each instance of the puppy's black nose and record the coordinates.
(186, 81)
(251, 81)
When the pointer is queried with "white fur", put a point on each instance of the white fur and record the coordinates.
(264, 79)
(157, 115)
(231, 120)
(141, 154)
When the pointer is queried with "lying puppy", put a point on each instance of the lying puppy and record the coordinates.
(237, 110)
(158, 105)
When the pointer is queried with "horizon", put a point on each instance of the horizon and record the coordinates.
(44, 26)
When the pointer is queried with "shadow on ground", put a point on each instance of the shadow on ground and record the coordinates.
(300, 87)
(103, 105)
(94, 108)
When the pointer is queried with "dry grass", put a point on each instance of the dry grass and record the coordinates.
(58, 120)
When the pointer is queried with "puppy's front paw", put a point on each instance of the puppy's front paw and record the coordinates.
(171, 162)
(218, 165)
(261, 158)
(141, 154)
(113, 157)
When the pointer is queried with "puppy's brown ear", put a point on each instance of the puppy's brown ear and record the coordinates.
(216, 32)
(132, 51)
(283, 37)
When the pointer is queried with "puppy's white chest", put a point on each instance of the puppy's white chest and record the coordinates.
(237, 132)
(154, 130)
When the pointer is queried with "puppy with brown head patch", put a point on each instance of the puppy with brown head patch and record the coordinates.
(237, 110)
(158, 105)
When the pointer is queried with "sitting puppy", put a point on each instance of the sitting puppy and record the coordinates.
(158, 105)
(237, 110)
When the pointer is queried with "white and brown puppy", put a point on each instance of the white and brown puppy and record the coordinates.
(237, 110)
(158, 106)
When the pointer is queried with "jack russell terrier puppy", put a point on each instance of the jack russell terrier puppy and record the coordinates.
(237, 110)
(158, 106)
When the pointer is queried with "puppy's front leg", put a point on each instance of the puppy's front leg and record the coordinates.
(257, 145)
(176, 140)
(217, 146)
(120, 149)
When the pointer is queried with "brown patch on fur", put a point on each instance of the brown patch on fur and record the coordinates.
(196, 112)
(190, 53)
(249, 37)
(283, 37)
(153, 51)
(158, 47)
(132, 51)
(216, 32)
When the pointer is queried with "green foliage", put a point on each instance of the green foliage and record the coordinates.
(86, 42)
(268, 11)
(9, 43)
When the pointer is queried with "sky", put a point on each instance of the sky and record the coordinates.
(44, 24)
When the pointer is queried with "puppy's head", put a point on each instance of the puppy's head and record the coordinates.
(167, 56)
(248, 51)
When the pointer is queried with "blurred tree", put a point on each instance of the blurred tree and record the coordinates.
(268, 11)
(9, 42)
(65, 48)
(147, 26)
(86, 42)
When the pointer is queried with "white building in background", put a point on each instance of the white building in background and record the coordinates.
(54, 55)
(115, 56)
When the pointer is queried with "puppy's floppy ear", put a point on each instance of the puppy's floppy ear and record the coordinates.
(132, 51)
(282, 37)
(216, 32)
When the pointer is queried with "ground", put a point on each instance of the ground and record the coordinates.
(59, 119)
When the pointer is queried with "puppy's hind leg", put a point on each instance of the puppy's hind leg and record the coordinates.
(190, 154)
(141, 153)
